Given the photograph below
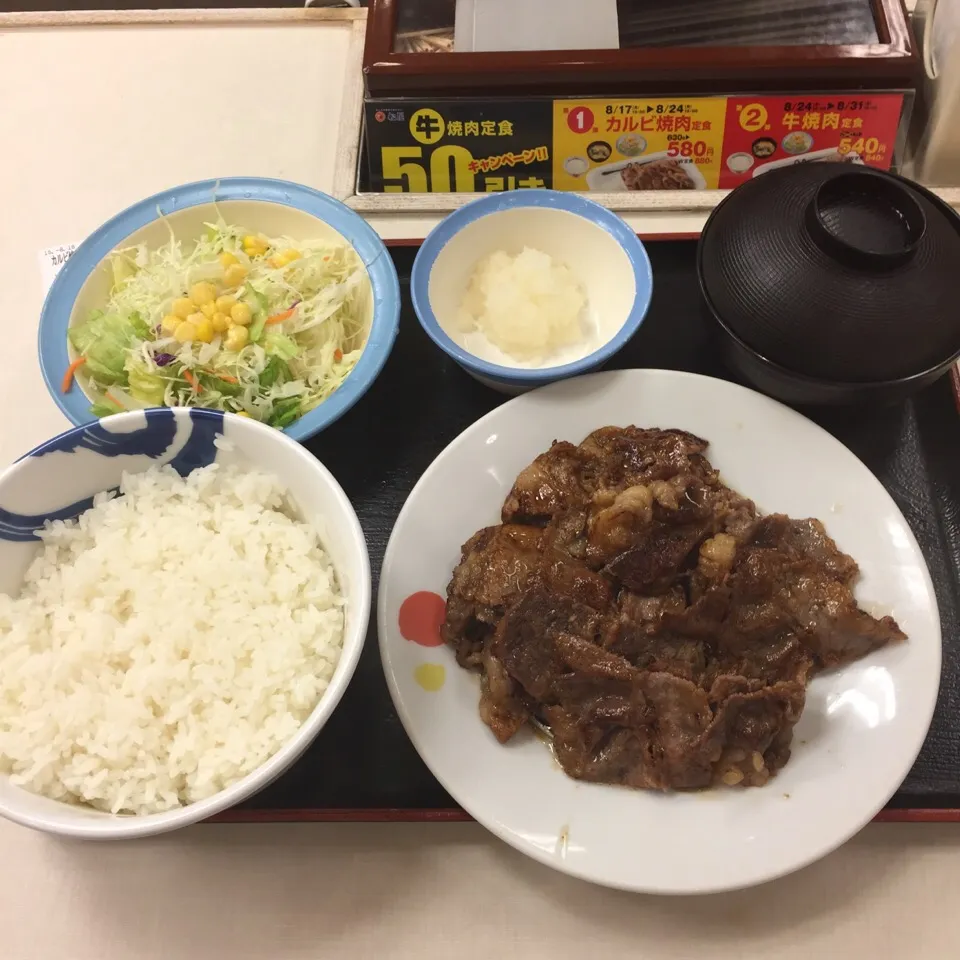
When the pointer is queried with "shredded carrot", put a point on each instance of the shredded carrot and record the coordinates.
(68, 376)
(280, 317)
(338, 355)
(225, 377)
(192, 380)
(113, 399)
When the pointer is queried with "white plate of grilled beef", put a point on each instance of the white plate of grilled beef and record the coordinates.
(659, 632)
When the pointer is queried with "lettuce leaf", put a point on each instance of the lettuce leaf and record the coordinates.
(261, 309)
(123, 268)
(105, 340)
(273, 371)
(104, 408)
(146, 385)
(277, 344)
(223, 387)
(285, 412)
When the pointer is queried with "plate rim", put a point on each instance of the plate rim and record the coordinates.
(565, 866)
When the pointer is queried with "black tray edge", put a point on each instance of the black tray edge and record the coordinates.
(456, 815)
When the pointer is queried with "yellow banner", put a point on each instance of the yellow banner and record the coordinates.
(614, 145)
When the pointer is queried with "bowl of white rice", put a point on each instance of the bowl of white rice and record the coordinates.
(184, 597)
(531, 286)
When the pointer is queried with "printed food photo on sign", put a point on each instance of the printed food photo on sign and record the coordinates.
(637, 144)
(461, 146)
(765, 133)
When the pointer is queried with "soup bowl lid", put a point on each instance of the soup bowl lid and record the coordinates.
(836, 272)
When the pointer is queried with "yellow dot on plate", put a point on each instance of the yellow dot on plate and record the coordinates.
(430, 676)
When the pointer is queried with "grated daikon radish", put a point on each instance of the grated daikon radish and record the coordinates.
(528, 305)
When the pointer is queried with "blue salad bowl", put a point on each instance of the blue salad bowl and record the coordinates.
(262, 206)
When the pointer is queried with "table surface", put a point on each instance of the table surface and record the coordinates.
(80, 144)
(435, 891)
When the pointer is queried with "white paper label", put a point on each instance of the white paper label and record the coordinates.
(52, 259)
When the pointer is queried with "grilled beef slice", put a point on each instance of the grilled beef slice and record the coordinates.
(647, 614)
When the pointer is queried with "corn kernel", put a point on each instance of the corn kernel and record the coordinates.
(285, 258)
(240, 313)
(208, 309)
(236, 338)
(234, 275)
(227, 259)
(205, 331)
(254, 246)
(169, 323)
(183, 307)
(243, 413)
(201, 293)
(221, 322)
(225, 303)
(186, 331)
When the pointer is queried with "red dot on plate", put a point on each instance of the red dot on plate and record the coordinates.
(421, 616)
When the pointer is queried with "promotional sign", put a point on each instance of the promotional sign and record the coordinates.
(465, 146)
(614, 145)
(765, 133)
(605, 145)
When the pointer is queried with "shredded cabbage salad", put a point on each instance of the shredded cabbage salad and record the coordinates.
(304, 329)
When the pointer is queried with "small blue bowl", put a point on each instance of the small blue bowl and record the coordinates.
(267, 206)
(602, 252)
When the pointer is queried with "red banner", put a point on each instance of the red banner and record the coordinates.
(765, 133)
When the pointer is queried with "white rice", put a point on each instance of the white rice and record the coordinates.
(166, 643)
